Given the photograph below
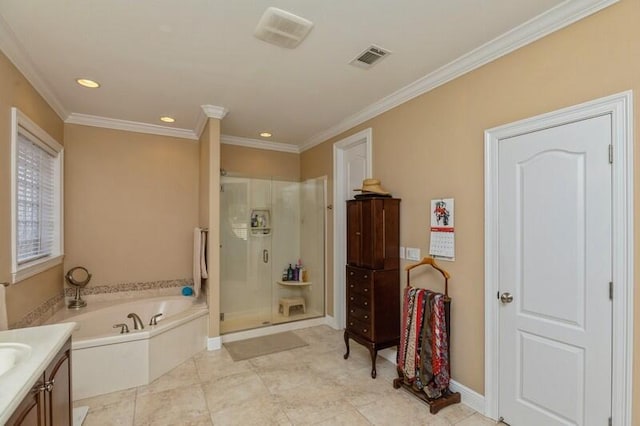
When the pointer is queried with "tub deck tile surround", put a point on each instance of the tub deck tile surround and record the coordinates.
(93, 293)
(308, 385)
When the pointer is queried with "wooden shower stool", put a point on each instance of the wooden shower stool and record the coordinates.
(285, 304)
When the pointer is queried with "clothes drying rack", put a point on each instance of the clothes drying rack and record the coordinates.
(448, 397)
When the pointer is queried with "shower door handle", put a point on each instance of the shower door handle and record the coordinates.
(265, 256)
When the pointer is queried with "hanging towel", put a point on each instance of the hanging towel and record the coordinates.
(203, 255)
(199, 260)
(4, 323)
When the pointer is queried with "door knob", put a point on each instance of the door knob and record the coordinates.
(506, 298)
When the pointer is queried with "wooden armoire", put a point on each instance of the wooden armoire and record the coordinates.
(373, 274)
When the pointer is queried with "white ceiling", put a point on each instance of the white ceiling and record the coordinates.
(169, 57)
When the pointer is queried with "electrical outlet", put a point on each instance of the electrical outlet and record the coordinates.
(401, 252)
(413, 253)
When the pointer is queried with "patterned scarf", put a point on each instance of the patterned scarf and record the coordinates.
(423, 355)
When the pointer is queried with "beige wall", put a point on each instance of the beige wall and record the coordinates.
(210, 215)
(259, 163)
(131, 203)
(15, 91)
(432, 146)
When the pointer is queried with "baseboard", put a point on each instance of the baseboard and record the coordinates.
(214, 343)
(470, 397)
(273, 329)
(332, 322)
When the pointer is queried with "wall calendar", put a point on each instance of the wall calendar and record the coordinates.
(442, 245)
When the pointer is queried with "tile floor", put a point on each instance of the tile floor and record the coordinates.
(311, 385)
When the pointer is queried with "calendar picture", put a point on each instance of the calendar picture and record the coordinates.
(442, 243)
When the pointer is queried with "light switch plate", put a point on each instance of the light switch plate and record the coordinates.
(413, 253)
(401, 252)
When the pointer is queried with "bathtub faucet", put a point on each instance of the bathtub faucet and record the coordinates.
(123, 328)
(154, 319)
(137, 322)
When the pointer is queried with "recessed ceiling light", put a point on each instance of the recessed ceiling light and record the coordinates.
(265, 134)
(167, 119)
(91, 84)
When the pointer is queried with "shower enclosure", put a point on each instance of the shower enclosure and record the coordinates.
(267, 225)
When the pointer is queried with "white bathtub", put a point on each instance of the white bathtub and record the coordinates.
(103, 360)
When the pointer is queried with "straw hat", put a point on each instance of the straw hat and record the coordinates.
(372, 186)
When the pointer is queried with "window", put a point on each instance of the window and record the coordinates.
(36, 219)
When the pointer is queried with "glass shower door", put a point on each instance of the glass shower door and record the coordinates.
(245, 254)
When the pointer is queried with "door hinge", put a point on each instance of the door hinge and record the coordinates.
(610, 154)
(610, 421)
(611, 290)
(221, 316)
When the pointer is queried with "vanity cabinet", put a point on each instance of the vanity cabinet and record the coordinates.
(49, 402)
(373, 274)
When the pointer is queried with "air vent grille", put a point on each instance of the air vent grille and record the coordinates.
(370, 56)
(282, 28)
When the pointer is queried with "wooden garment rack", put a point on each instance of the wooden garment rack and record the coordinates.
(448, 397)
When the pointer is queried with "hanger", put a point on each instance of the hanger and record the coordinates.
(431, 261)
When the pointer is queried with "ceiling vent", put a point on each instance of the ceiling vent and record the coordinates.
(370, 56)
(282, 28)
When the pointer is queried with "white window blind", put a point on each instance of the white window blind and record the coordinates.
(37, 162)
(35, 201)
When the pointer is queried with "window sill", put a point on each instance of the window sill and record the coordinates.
(35, 268)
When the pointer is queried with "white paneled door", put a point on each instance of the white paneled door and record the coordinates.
(555, 266)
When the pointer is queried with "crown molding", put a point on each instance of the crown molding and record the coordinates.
(213, 111)
(130, 126)
(542, 25)
(260, 144)
(12, 48)
(206, 112)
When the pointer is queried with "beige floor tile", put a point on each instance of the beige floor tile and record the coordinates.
(314, 408)
(119, 413)
(233, 391)
(107, 399)
(456, 413)
(311, 385)
(476, 420)
(348, 418)
(217, 364)
(180, 406)
(263, 410)
(400, 408)
(183, 375)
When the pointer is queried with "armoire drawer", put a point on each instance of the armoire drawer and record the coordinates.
(359, 301)
(360, 314)
(359, 327)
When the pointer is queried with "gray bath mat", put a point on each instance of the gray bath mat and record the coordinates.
(258, 346)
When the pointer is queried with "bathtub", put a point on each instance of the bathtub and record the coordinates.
(103, 360)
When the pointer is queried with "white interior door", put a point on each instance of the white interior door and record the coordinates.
(352, 164)
(555, 262)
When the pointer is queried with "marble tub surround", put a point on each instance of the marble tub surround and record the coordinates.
(308, 385)
(101, 293)
(40, 314)
(130, 287)
(45, 342)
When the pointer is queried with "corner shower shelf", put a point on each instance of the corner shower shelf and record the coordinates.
(295, 283)
(260, 231)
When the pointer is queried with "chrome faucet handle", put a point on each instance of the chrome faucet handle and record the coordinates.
(124, 329)
(154, 319)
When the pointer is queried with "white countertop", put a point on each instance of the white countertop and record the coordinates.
(45, 342)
